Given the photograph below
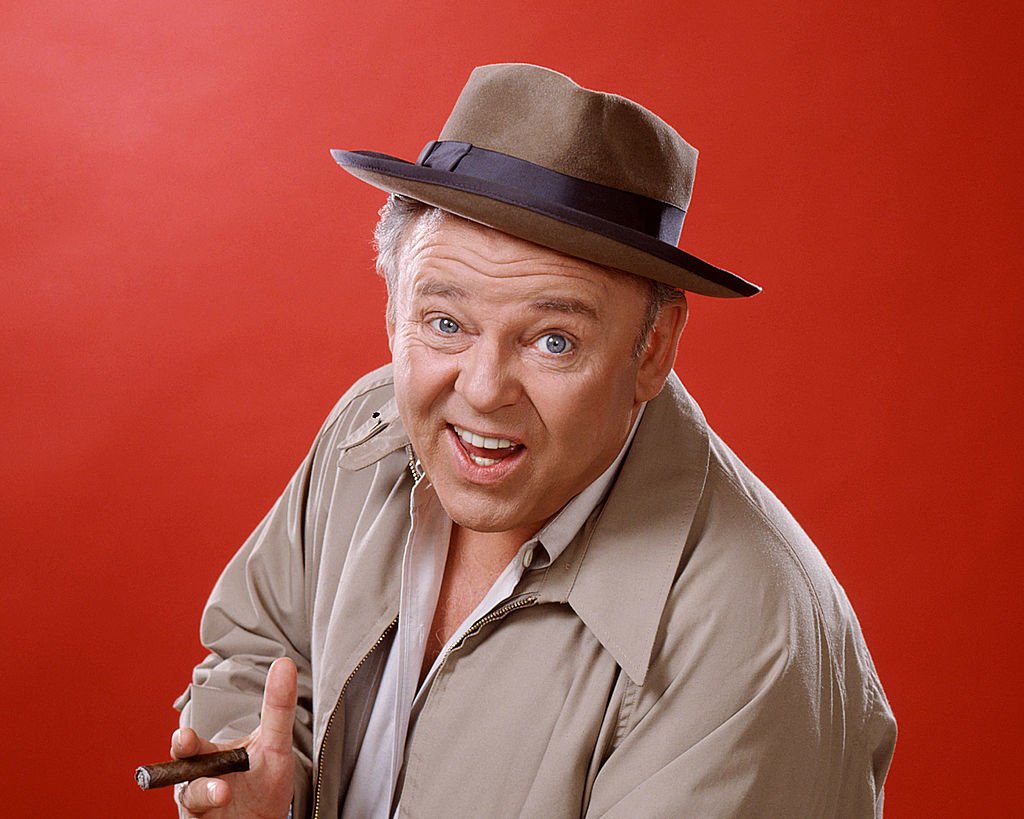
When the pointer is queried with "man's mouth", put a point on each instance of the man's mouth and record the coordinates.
(484, 450)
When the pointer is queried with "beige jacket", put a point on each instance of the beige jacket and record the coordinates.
(689, 654)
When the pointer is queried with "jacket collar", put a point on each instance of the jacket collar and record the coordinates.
(618, 572)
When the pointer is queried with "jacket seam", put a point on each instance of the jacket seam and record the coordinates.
(629, 700)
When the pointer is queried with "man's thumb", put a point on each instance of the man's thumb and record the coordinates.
(278, 715)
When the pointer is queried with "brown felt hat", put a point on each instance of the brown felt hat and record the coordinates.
(529, 152)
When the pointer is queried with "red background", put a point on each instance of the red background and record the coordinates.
(187, 288)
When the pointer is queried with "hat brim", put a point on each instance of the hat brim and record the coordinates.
(542, 222)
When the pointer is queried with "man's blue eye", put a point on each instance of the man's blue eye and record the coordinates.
(553, 343)
(444, 325)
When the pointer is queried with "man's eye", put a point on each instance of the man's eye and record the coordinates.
(553, 343)
(444, 325)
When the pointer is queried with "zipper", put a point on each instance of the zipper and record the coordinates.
(497, 614)
(415, 467)
(334, 713)
(473, 630)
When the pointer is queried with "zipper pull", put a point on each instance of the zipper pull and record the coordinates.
(415, 467)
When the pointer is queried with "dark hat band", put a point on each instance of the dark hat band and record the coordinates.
(635, 211)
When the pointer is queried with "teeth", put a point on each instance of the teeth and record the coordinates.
(483, 461)
(481, 441)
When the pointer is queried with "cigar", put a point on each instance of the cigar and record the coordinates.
(192, 767)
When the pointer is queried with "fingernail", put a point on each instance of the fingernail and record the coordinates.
(211, 789)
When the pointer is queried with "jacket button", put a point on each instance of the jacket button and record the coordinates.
(527, 558)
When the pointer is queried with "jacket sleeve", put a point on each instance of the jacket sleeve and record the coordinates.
(257, 612)
(792, 725)
(261, 606)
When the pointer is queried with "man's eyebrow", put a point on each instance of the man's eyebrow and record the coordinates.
(432, 287)
(567, 305)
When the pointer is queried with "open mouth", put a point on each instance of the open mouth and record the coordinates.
(484, 450)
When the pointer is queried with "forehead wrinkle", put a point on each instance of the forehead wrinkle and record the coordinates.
(509, 252)
(441, 258)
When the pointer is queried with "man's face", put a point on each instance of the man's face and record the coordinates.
(514, 371)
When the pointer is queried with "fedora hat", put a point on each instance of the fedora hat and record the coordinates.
(529, 152)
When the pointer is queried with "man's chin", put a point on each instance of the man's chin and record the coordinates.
(485, 516)
(484, 523)
(492, 509)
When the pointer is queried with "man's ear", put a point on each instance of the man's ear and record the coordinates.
(662, 347)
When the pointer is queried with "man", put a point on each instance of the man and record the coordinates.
(517, 574)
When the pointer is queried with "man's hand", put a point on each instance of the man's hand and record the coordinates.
(265, 790)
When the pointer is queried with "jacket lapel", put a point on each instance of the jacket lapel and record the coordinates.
(619, 570)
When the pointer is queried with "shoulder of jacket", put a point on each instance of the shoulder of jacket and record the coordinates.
(757, 537)
(374, 388)
(774, 542)
(810, 601)
(364, 425)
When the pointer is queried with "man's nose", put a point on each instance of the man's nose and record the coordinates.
(488, 376)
